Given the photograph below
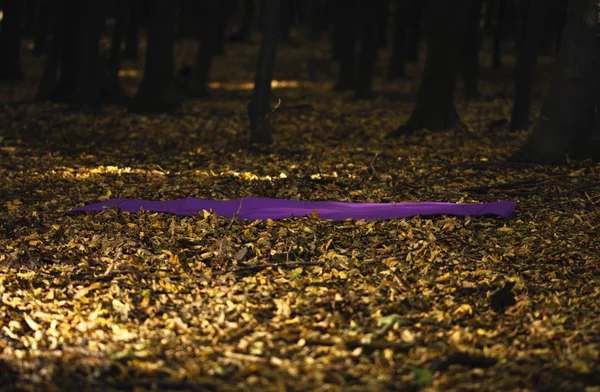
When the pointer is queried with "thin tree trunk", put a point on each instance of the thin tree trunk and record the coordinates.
(48, 81)
(259, 106)
(207, 48)
(113, 91)
(413, 33)
(499, 34)
(69, 67)
(568, 125)
(131, 50)
(471, 53)
(40, 45)
(529, 46)
(399, 45)
(346, 45)
(373, 14)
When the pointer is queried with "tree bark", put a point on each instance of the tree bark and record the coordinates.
(88, 83)
(112, 91)
(373, 15)
(345, 46)
(260, 104)
(207, 16)
(434, 108)
(501, 15)
(399, 45)
(471, 53)
(10, 41)
(532, 31)
(57, 22)
(41, 28)
(131, 50)
(156, 93)
(568, 125)
(413, 32)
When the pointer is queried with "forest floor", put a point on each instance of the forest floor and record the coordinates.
(153, 301)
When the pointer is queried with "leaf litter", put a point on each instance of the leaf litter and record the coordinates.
(152, 301)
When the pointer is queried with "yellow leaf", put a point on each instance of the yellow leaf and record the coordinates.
(32, 324)
(314, 214)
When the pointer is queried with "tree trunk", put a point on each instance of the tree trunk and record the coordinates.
(259, 106)
(434, 108)
(156, 93)
(10, 41)
(568, 125)
(88, 83)
(206, 15)
(346, 45)
(69, 56)
(399, 44)
(113, 92)
(471, 53)
(40, 45)
(57, 22)
(373, 15)
(501, 15)
(131, 50)
(413, 32)
(530, 41)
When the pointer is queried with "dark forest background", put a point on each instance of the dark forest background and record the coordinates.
(83, 45)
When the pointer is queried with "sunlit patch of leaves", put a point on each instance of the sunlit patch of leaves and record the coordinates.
(151, 300)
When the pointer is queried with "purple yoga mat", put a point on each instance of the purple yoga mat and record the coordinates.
(256, 208)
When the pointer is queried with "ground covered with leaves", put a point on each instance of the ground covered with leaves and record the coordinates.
(153, 301)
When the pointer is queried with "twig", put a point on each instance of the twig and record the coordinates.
(267, 265)
(354, 343)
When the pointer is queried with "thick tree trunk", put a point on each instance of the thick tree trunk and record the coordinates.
(259, 106)
(529, 44)
(156, 92)
(10, 41)
(471, 53)
(568, 125)
(434, 108)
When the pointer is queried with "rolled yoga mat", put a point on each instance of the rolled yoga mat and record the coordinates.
(257, 208)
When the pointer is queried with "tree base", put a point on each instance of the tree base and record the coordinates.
(141, 105)
(261, 132)
(403, 130)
